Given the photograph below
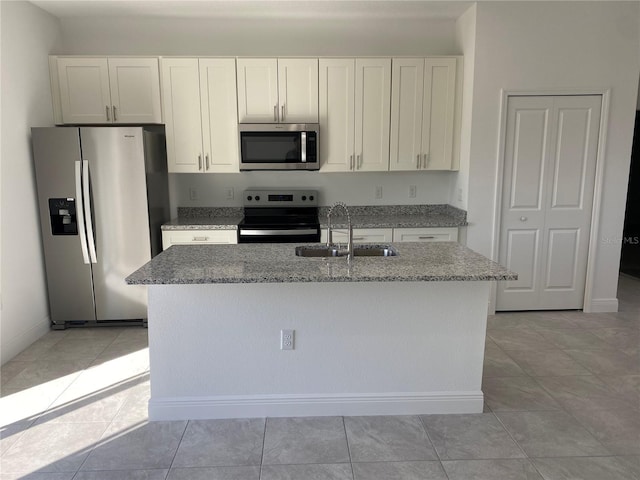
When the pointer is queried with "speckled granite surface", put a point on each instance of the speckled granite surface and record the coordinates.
(388, 216)
(277, 263)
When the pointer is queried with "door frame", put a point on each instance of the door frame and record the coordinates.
(605, 93)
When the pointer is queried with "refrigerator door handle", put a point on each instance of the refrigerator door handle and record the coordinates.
(80, 213)
(87, 211)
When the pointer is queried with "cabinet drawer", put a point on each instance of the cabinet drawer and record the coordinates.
(449, 234)
(360, 235)
(195, 237)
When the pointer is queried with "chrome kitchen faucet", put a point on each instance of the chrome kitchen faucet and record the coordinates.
(349, 227)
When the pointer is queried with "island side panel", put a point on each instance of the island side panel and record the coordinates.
(367, 348)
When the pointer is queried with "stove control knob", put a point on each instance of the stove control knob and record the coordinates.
(249, 198)
(257, 198)
(311, 198)
(304, 197)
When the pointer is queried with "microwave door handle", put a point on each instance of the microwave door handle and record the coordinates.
(80, 213)
(303, 146)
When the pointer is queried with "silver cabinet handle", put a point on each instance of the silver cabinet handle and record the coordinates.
(206, 161)
(80, 213)
(106, 107)
(86, 192)
(358, 161)
(114, 114)
(282, 117)
(418, 163)
(351, 162)
(358, 238)
(523, 219)
(200, 239)
(427, 237)
(199, 161)
(275, 113)
(427, 157)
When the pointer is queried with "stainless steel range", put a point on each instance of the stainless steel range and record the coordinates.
(279, 216)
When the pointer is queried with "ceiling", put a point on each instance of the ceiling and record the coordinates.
(255, 8)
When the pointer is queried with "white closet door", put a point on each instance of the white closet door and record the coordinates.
(549, 174)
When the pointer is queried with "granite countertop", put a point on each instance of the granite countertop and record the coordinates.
(277, 263)
(391, 216)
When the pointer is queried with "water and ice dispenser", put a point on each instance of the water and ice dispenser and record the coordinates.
(63, 216)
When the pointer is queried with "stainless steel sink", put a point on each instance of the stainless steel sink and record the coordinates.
(363, 250)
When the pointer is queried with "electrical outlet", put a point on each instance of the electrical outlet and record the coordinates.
(378, 192)
(229, 193)
(287, 339)
(412, 191)
(193, 193)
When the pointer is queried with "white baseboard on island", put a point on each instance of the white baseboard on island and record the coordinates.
(360, 348)
(252, 406)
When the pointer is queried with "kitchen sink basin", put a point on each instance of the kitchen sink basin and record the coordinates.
(363, 250)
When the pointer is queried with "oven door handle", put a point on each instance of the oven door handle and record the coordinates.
(300, 231)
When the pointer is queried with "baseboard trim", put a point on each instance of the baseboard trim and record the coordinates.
(251, 406)
(603, 305)
(13, 346)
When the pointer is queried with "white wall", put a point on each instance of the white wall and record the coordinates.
(550, 46)
(465, 43)
(28, 35)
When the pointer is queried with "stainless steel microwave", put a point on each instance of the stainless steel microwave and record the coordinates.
(281, 146)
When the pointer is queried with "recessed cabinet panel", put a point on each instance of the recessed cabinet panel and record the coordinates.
(373, 111)
(298, 90)
(84, 90)
(406, 114)
(181, 98)
(337, 108)
(438, 113)
(219, 109)
(135, 90)
(198, 237)
(257, 90)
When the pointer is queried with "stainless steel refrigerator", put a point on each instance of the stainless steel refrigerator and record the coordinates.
(103, 195)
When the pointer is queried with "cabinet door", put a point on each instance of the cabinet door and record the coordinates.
(406, 114)
(84, 90)
(438, 113)
(336, 114)
(258, 90)
(448, 234)
(372, 114)
(135, 90)
(298, 90)
(198, 237)
(219, 114)
(360, 235)
(181, 103)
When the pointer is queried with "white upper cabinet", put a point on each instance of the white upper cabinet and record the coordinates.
(219, 108)
(199, 98)
(423, 114)
(277, 90)
(109, 90)
(337, 110)
(354, 114)
(373, 98)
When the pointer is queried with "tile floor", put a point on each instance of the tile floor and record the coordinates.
(562, 394)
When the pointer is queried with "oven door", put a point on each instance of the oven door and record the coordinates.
(278, 234)
(277, 148)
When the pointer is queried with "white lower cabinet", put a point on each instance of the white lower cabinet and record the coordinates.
(195, 237)
(360, 235)
(448, 234)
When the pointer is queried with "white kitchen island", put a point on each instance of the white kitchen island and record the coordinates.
(383, 336)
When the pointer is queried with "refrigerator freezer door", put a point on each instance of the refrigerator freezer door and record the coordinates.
(120, 218)
(69, 283)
